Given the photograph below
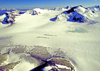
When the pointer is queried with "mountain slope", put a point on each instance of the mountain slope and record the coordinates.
(77, 14)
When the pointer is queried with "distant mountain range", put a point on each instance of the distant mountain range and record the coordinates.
(73, 14)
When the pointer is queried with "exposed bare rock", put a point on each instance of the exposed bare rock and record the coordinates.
(9, 66)
(19, 49)
(10, 17)
(52, 65)
(61, 61)
(5, 66)
(59, 53)
(40, 53)
(3, 58)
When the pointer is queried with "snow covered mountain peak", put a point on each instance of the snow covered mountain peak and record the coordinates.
(97, 6)
(72, 14)
(76, 14)
(10, 17)
(36, 11)
(79, 8)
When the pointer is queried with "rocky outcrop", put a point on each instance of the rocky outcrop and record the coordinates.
(10, 17)
(55, 64)
(9, 66)
(49, 62)
(4, 66)
(40, 53)
(3, 58)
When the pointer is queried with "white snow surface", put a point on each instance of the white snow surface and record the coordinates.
(79, 41)
(2, 17)
(57, 66)
(62, 66)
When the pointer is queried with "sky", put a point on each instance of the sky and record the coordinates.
(26, 4)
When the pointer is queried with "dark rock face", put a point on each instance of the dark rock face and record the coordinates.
(71, 10)
(21, 12)
(77, 19)
(6, 19)
(54, 19)
(97, 6)
(93, 12)
(40, 68)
